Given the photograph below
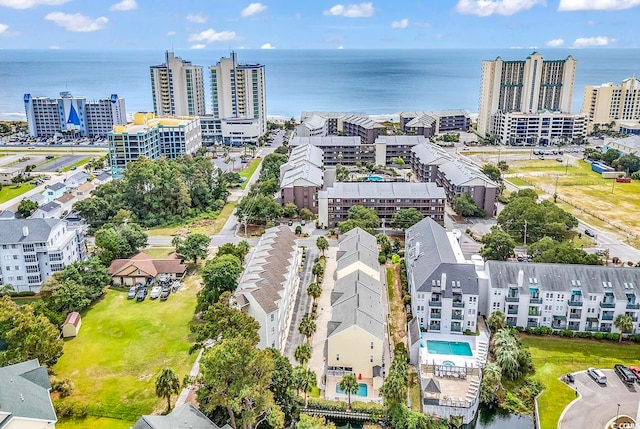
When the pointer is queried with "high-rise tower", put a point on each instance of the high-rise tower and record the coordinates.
(177, 87)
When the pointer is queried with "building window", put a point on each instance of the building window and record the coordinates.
(371, 345)
(272, 317)
(371, 358)
(337, 356)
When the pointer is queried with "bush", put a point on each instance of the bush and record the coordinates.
(468, 332)
(613, 336)
(583, 335)
(65, 387)
(25, 293)
(377, 411)
(325, 404)
(598, 336)
(382, 258)
(566, 333)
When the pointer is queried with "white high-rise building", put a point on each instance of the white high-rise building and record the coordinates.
(607, 103)
(524, 86)
(73, 116)
(177, 87)
(238, 91)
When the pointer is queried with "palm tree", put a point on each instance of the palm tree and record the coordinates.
(6, 289)
(167, 384)
(302, 354)
(317, 270)
(307, 327)
(624, 322)
(349, 384)
(304, 379)
(409, 174)
(314, 290)
(322, 244)
(497, 321)
(394, 389)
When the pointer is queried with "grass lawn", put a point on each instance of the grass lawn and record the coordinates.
(94, 423)
(612, 203)
(208, 223)
(9, 192)
(159, 252)
(554, 356)
(22, 300)
(82, 162)
(121, 348)
(414, 391)
(248, 171)
(517, 181)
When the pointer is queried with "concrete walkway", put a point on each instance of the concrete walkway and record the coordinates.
(195, 370)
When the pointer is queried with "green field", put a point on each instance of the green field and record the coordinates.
(93, 423)
(207, 223)
(121, 348)
(517, 181)
(9, 192)
(555, 356)
(159, 252)
(248, 171)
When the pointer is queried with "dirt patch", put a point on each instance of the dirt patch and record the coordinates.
(397, 316)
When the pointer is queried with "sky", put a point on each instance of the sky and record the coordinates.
(318, 24)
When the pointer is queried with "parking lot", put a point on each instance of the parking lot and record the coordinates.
(599, 403)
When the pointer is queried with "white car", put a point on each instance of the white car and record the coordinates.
(155, 292)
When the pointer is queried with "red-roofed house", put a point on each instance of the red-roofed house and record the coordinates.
(142, 268)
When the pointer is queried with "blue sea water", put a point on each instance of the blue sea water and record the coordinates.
(371, 81)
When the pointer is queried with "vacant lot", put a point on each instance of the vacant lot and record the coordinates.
(615, 204)
(121, 348)
(555, 356)
(9, 192)
(207, 223)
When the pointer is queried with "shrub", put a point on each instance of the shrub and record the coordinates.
(583, 334)
(377, 411)
(613, 336)
(25, 293)
(382, 258)
(325, 404)
(566, 333)
(598, 336)
(65, 387)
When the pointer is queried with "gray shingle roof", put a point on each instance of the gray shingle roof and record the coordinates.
(39, 230)
(462, 173)
(363, 121)
(429, 153)
(385, 190)
(565, 277)
(183, 417)
(430, 259)
(306, 172)
(56, 186)
(49, 206)
(401, 140)
(348, 285)
(326, 141)
(358, 253)
(361, 310)
(25, 391)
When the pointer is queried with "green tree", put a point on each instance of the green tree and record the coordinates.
(63, 297)
(193, 246)
(27, 336)
(314, 290)
(290, 210)
(491, 390)
(240, 250)
(302, 354)
(304, 379)
(167, 384)
(307, 327)
(624, 323)
(282, 384)
(219, 275)
(503, 166)
(306, 214)
(118, 242)
(497, 245)
(549, 250)
(397, 161)
(541, 219)
(405, 218)
(384, 243)
(493, 172)
(27, 207)
(258, 209)
(223, 319)
(360, 217)
(464, 205)
(317, 270)
(629, 163)
(394, 389)
(6, 289)
(314, 422)
(524, 193)
(610, 155)
(236, 375)
(497, 321)
(322, 243)
(349, 385)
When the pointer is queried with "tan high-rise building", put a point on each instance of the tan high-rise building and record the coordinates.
(607, 103)
(177, 87)
(524, 86)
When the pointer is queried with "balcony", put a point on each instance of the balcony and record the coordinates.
(435, 315)
(512, 311)
(511, 323)
(535, 301)
(434, 303)
(457, 316)
(434, 327)
(591, 329)
(607, 304)
(534, 312)
(458, 304)
(632, 306)
(456, 328)
(532, 324)
(607, 317)
(575, 303)
(575, 315)
(573, 327)
(512, 298)
(605, 329)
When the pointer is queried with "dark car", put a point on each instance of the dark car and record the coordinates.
(132, 292)
(141, 295)
(290, 223)
(571, 378)
(589, 233)
(625, 375)
(164, 295)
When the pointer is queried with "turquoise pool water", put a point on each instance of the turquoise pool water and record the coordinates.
(374, 178)
(449, 348)
(362, 390)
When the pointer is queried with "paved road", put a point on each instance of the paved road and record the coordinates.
(598, 404)
(302, 306)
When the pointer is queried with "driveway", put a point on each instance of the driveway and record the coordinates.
(599, 403)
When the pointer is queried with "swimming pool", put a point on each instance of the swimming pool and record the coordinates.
(373, 178)
(362, 390)
(449, 348)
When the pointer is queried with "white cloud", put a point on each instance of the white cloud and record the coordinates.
(198, 18)
(3, 28)
(555, 43)
(489, 7)
(253, 9)
(198, 46)
(54, 47)
(211, 36)
(340, 47)
(583, 42)
(362, 10)
(26, 4)
(573, 5)
(124, 5)
(267, 46)
(403, 23)
(77, 22)
(171, 33)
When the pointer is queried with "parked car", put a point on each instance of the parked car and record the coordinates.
(49, 157)
(155, 292)
(290, 223)
(175, 286)
(570, 377)
(132, 292)
(164, 295)
(589, 233)
(559, 159)
(597, 375)
(141, 295)
(625, 375)
(636, 371)
(303, 222)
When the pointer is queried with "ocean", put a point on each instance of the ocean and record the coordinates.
(364, 81)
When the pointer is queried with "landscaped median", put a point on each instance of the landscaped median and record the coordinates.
(554, 356)
(119, 352)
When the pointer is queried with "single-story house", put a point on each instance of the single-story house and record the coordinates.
(71, 325)
(84, 191)
(102, 178)
(9, 173)
(76, 180)
(142, 268)
(40, 199)
(51, 210)
(54, 191)
(66, 202)
(182, 417)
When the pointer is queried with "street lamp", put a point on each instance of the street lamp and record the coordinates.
(617, 414)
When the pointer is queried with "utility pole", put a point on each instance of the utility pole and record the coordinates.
(525, 238)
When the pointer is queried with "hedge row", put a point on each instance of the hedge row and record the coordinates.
(23, 293)
(544, 330)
